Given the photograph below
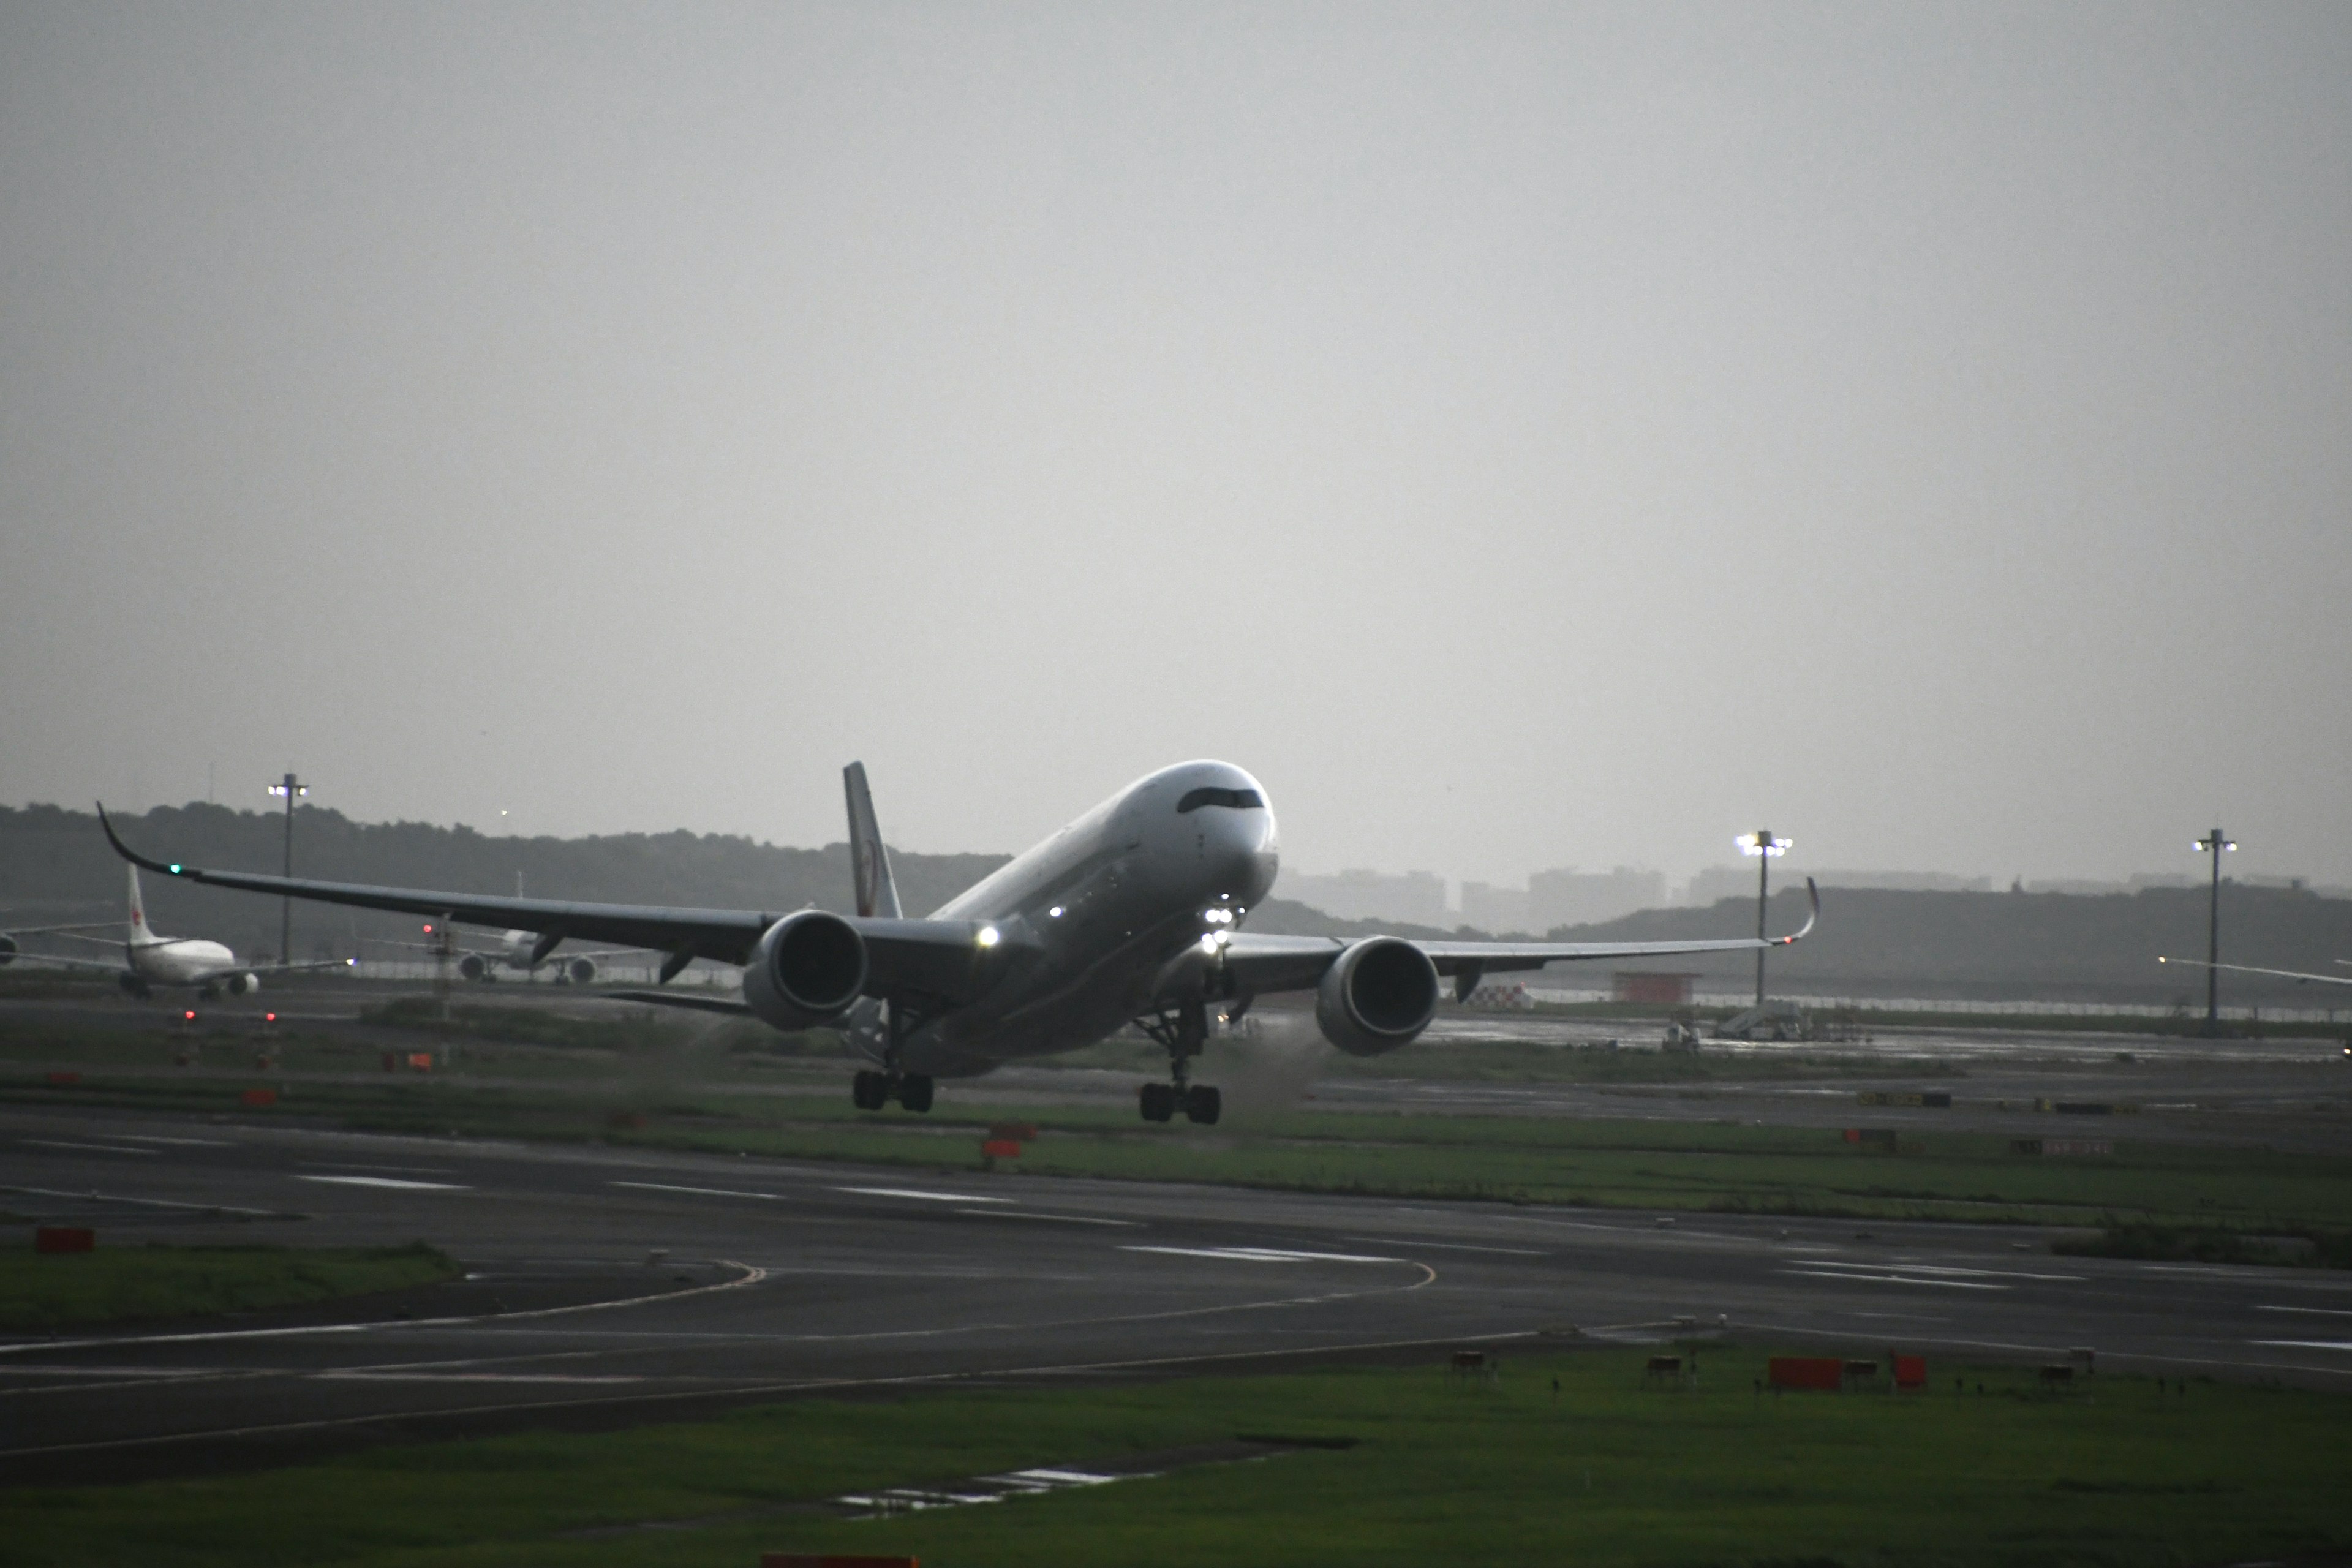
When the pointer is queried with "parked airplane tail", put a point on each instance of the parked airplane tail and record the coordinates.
(142, 933)
(869, 863)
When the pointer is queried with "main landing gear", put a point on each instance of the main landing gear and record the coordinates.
(873, 1090)
(1180, 1030)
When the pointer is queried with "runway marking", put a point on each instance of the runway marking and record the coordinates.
(363, 1165)
(198, 1143)
(750, 1276)
(931, 1197)
(702, 1191)
(100, 1148)
(2305, 1345)
(148, 1203)
(397, 1183)
(1892, 1279)
(2314, 1312)
(1448, 1246)
(564, 1377)
(1061, 1218)
(1947, 1269)
(1262, 1255)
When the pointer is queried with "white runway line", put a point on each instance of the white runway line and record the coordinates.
(1878, 1279)
(1262, 1255)
(2305, 1345)
(98, 1148)
(1447, 1246)
(198, 1143)
(1060, 1218)
(702, 1191)
(396, 1183)
(564, 1377)
(928, 1197)
(2313, 1312)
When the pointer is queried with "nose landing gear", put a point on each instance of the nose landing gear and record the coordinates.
(1180, 1030)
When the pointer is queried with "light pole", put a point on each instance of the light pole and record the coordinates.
(293, 789)
(1766, 846)
(2215, 843)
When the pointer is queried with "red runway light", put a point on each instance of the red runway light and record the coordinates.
(190, 1015)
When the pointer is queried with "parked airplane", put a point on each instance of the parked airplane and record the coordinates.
(1132, 913)
(524, 951)
(2280, 974)
(149, 961)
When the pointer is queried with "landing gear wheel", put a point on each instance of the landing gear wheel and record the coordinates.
(915, 1093)
(1158, 1101)
(1202, 1104)
(869, 1091)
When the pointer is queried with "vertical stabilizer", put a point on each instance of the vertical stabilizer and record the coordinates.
(141, 932)
(869, 863)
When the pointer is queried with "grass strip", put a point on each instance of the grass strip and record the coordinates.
(1606, 1470)
(41, 1293)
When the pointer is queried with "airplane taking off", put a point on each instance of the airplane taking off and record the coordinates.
(154, 961)
(1131, 913)
(2296, 975)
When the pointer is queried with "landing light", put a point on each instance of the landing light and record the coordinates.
(1209, 943)
(1056, 912)
(987, 936)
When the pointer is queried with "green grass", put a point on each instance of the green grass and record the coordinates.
(1443, 1471)
(42, 1293)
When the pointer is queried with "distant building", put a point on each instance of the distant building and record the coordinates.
(1415, 897)
(1573, 898)
(1495, 909)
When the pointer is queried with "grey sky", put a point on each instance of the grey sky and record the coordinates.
(1522, 435)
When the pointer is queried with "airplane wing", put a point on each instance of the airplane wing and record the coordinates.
(2250, 969)
(1263, 963)
(934, 957)
(11, 956)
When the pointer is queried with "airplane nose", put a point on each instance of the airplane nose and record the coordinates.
(1239, 850)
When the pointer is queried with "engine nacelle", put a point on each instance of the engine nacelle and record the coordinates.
(806, 969)
(1377, 995)
(242, 985)
(473, 966)
(580, 970)
(7, 949)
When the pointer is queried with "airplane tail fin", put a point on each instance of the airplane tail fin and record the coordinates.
(869, 863)
(141, 932)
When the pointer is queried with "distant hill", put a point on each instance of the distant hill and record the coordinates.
(55, 867)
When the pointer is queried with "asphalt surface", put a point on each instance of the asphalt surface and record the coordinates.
(608, 1287)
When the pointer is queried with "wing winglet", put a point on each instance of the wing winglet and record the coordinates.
(126, 851)
(1814, 895)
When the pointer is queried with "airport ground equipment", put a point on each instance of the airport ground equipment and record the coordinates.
(1130, 914)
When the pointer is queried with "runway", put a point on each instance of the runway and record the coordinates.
(610, 1285)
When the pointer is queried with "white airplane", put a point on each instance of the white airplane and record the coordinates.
(2280, 974)
(150, 961)
(525, 951)
(1131, 913)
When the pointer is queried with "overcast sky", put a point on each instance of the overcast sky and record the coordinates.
(1522, 436)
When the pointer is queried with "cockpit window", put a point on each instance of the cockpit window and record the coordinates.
(1208, 795)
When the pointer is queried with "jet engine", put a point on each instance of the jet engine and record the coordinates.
(580, 970)
(7, 949)
(1377, 995)
(473, 966)
(806, 969)
(242, 985)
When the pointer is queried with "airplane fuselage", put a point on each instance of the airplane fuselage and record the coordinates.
(167, 961)
(1103, 915)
